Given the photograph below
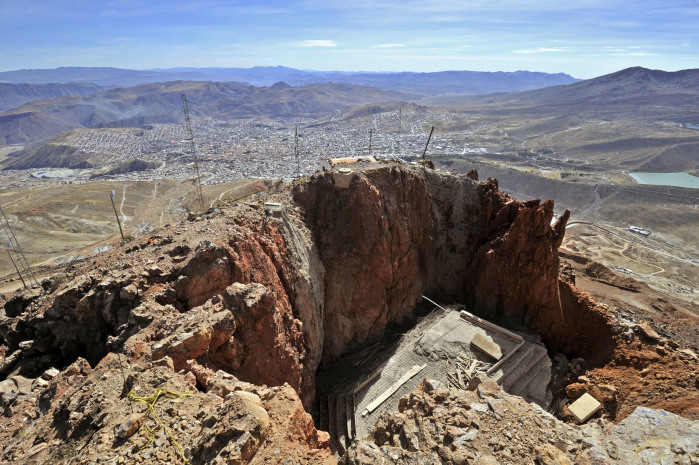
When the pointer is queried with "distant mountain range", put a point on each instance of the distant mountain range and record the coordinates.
(438, 83)
(634, 92)
(631, 86)
(162, 103)
(650, 98)
(14, 95)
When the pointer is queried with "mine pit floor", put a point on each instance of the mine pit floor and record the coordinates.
(361, 386)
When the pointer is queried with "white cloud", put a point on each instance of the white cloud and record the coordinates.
(541, 50)
(630, 51)
(467, 46)
(319, 43)
(634, 54)
(390, 45)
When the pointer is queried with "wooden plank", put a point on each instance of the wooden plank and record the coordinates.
(369, 380)
(394, 387)
(472, 368)
(487, 345)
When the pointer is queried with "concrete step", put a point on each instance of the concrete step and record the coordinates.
(511, 363)
(525, 364)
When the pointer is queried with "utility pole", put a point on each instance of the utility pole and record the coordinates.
(371, 131)
(111, 196)
(427, 144)
(188, 124)
(19, 253)
(296, 152)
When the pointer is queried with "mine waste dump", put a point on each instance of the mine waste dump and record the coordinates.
(382, 313)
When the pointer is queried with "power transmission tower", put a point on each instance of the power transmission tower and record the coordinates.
(190, 134)
(16, 268)
(296, 152)
(111, 196)
(428, 143)
(19, 260)
(400, 128)
(371, 131)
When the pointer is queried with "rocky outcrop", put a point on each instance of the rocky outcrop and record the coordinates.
(91, 419)
(240, 308)
(372, 239)
(394, 234)
(449, 426)
(327, 274)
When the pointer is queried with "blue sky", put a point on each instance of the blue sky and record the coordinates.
(584, 38)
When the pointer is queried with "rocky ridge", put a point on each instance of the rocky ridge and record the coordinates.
(437, 425)
(245, 298)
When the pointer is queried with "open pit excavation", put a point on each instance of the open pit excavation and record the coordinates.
(385, 313)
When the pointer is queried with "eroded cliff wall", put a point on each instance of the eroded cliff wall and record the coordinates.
(268, 296)
(249, 296)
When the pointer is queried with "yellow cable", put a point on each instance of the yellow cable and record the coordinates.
(150, 402)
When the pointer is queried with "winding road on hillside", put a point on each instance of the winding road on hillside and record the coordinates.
(594, 207)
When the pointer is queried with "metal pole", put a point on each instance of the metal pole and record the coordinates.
(371, 131)
(428, 143)
(111, 196)
(18, 273)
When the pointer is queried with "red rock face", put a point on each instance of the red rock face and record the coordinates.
(372, 238)
(515, 272)
(271, 336)
(266, 297)
(395, 234)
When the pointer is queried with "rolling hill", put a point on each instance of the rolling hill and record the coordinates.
(634, 119)
(631, 86)
(162, 103)
(14, 95)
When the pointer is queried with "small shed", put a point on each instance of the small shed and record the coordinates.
(328, 164)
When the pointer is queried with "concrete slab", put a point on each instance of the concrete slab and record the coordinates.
(583, 408)
(486, 344)
(452, 335)
(436, 345)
